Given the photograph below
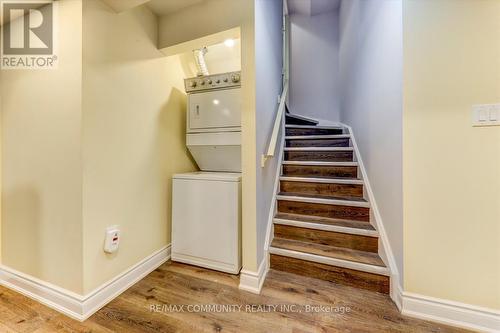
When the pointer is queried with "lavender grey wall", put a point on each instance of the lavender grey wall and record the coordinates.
(371, 56)
(314, 66)
(268, 66)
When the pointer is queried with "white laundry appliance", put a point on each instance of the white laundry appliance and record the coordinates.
(206, 205)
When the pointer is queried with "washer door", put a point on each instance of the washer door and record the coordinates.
(214, 109)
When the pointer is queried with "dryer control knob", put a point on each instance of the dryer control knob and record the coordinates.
(235, 78)
(192, 84)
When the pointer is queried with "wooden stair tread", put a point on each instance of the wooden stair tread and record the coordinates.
(368, 258)
(319, 171)
(377, 282)
(313, 126)
(319, 136)
(314, 149)
(338, 154)
(324, 179)
(318, 196)
(330, 208)
(292, 130)
(325, 220)
(321, 163)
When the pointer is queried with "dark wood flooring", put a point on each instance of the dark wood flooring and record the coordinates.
(302, 305)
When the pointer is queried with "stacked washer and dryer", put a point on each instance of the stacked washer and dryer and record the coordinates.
(206, 208)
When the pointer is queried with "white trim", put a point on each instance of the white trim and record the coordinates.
(351, 203)
(348, 181)
(321, 163)
(450, 312)
(327, 227)
(278, 125)
(313, 126)
(330, 261)
(273, 208)
(76, 306)
(252, 281)
(313, 137)
(231, 268)
(57, 298)
(319, 149)
(385, 249)
(396, 293)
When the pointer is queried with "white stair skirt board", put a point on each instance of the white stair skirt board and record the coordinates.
(273, 208)
(326, 227)
(324, 136)
(320, 163)
(81, 307)
(385, 250)
(350, 203)
(319, 149)
(450, 312)
(330, 261)
(348, 181)
(252, 281)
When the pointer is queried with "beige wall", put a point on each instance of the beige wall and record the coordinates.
(83, 152)
(1, 162)
(133, 137)
(41, 169)
(89, 151)
(208, 18)
(451, 170)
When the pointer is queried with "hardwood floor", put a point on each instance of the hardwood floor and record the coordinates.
(302, 305)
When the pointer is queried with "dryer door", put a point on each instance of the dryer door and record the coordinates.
(211, 110)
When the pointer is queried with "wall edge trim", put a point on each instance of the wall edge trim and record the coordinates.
(253, 281)
(81, 307)
(450, 312)
(379, 224)
(273, 208)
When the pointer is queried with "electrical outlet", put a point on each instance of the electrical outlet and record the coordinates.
(112, 239)
(486, 115)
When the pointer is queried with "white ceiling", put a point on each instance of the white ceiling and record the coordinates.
(312, 7)
(165, 7)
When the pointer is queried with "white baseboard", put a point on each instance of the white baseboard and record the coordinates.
(449, 312)
(253, 281)
(76, 306)
(396, 292)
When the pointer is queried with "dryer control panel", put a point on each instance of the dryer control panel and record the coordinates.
(213, 82)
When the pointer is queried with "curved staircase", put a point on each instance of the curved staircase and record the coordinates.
(322, 226)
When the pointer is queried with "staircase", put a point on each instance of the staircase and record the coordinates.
(322, 226)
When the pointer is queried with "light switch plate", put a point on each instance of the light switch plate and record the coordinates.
(486, 115)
